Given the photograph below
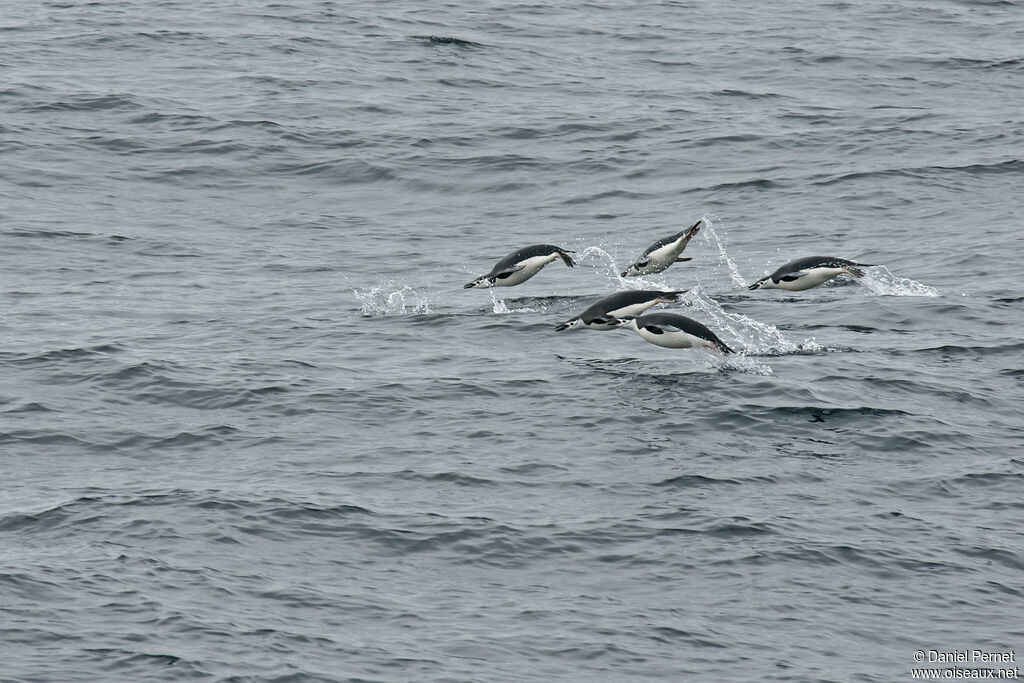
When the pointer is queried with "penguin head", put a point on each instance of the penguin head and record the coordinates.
(635, 269)
(625, 322)
(762, 283)
(482, 282)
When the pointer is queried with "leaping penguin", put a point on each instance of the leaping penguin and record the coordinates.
(520, 266)
(673, 331)
(663, 253)
(808, 272)
(603, 313)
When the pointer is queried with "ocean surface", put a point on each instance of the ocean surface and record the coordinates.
(252, 427)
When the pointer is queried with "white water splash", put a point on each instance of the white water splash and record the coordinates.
(758, 338)
(878, 280)
(599, 253)
(734, 362)
(616, 280)
(501, 308)
(723, 255)
(390, 298)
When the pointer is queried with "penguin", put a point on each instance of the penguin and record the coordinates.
(602, 314)
(808, 272)
(673, 331)
(663, 253)
(520, 266)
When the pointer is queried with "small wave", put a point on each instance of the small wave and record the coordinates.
(880, 281)
(731, 92)
(60, 355)
(447, 40)
(86, 102)
(69, 234)
(390, 298)
(30, 407)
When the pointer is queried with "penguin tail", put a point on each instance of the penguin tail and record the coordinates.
(694, 229)
(565, 257)
(855, 271)
(721, 346)
(680, 260)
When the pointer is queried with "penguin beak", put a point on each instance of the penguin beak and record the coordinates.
(756, 285)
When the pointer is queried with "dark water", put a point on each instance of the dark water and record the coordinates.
(253, 428)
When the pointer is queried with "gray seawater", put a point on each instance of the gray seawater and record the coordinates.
(253, 429)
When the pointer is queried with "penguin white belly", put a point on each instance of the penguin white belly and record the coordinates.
(531, 267)
(673, 340)
(812, 277)
(660, 259)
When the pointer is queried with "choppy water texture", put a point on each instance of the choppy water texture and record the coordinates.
(253, 428)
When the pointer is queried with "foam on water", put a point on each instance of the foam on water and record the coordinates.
(391, 298)
(734, 362)
(879, 281)
(501, 308)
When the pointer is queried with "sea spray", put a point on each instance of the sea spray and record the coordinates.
(734, 362)
(391, 298)
(501, 308)
(879, 281)
(614, 278)
(723, 255)
(758, 338)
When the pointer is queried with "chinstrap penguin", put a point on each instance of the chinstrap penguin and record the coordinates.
(520, 266)
(808, 272)
(602, 314)
(673, 331)
(663, 253)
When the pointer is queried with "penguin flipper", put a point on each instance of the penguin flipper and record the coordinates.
(790, 277)
(507, 272)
